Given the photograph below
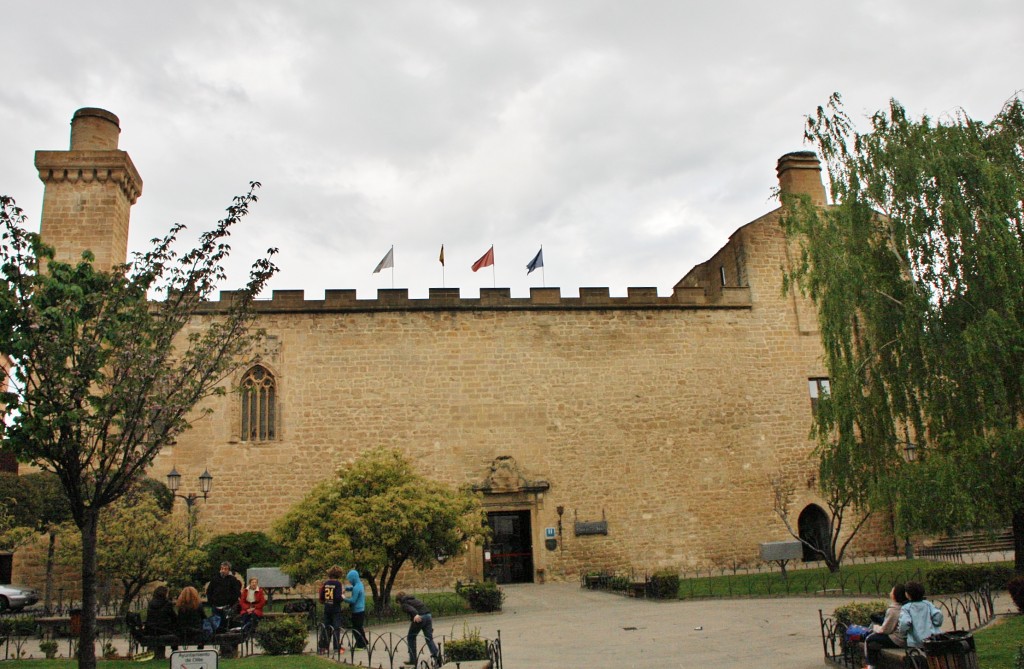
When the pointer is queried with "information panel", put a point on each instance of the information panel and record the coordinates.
(194, 659)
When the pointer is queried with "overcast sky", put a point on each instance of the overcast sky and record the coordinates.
(628, 138)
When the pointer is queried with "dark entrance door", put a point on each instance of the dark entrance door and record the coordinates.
(511, 547)
(813, 525)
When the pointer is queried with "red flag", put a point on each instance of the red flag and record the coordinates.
(486, 260)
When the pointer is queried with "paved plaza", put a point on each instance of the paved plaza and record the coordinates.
(562, 626)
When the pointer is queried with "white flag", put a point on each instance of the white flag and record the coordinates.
(387, 261)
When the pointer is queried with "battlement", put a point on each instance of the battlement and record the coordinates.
(491, 299)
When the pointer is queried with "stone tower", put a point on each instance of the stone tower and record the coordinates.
(89, 191)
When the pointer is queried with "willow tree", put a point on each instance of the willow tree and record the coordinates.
(917, 271)
(103, 376)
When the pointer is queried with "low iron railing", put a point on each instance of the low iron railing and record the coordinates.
(391, 650)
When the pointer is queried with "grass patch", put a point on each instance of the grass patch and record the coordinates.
(875, 578)
(441, 604)
(997, 644)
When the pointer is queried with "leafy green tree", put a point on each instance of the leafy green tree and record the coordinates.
(102, 377)
(139, 543)
(917, 271)
(377, 515)
(40, 504)
(242, 549)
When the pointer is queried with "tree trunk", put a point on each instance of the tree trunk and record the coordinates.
(87, 636)
(1018, 541)
(130, 592)
(48, 589)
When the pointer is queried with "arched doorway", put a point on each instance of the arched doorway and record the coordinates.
(813, 526)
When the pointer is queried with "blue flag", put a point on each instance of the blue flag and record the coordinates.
(538, 261)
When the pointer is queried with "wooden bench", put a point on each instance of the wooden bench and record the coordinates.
(901, 658)
(61, 625)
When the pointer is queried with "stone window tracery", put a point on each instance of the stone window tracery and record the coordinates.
(259, 405)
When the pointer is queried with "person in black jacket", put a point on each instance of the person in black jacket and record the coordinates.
(419, 620)
(222, 594)
(332, 592)
(160, 618)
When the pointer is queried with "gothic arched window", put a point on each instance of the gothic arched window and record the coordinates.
(259, 401)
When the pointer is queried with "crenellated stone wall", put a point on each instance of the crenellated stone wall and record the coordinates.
(492, 299)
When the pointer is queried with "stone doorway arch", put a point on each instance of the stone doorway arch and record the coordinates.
(511, 501)
(813, 526)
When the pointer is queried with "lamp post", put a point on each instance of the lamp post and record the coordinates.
(205, 485)
(910, 454)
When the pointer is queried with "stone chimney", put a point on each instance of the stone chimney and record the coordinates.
(89, 191)
(800, 174)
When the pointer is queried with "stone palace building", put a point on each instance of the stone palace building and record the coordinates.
(604, 433)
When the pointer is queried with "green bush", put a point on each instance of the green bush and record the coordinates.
(17, 626)
(857, 613)
(966, 578)
(49, 648)
(663, 585)
(482, 597)
(469, 647)
(620, 583)
(283, 636)
(1016, 590)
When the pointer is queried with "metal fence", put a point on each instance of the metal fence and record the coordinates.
(389, 651)
(767, 579)
(384, 651)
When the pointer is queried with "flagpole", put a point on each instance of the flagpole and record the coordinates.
(543, 278)
(494, 275)
(392, 267)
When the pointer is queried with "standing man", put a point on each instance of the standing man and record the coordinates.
(357, 602)
(331, 594)
(222, 594)
(419, 619)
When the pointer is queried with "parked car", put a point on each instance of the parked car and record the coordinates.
(14, 598)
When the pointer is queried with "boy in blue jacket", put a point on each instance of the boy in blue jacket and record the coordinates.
(357, 602)
(919, 618)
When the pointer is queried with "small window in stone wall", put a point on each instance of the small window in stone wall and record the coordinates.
(819, 389)
(259, 405)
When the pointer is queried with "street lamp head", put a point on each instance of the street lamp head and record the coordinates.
(205, 482)
(173, 480)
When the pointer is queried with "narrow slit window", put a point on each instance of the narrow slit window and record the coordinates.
(819, 389)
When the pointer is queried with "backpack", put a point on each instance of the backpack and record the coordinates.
(855, 633)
